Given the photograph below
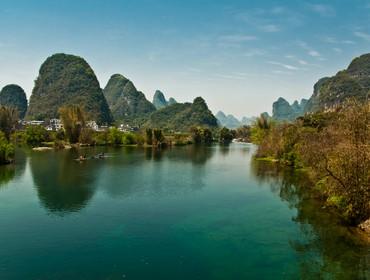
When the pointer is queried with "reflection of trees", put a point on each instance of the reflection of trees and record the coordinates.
(165, 171)
(196, 154)
(10, 171)
(63, 185)
(327, 250)
(7, 173)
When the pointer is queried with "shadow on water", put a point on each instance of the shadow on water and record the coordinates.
(328, 250)
(63, 184)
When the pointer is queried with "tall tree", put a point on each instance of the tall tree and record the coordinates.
(8, 120)
(73, 119)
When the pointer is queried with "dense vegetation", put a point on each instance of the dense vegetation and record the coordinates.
(15, 97)
(183, 116)
(126, 102)
(333, 146)
(67, 79)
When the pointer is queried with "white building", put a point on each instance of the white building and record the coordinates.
(93, 125)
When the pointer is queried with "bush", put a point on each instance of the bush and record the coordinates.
(115, 137)
(129, 138)
(6, 150)
(35, 135)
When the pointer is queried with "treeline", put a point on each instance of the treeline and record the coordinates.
(335, 149)
(76, 132)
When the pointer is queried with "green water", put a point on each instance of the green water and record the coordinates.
(182, 213)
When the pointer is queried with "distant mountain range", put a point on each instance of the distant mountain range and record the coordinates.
(283, 111)
(231, 121)
(330, 92)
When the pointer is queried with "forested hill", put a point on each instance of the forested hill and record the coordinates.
(67, 79)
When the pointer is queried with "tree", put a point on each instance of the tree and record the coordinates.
(226, 136)
(6, 150)
(196, 135)
(8, 120)
(73, 119)
(115, 136)
(149, 136)
(158, 138)
(35, 135)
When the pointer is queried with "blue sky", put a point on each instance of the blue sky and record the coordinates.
(239, 55)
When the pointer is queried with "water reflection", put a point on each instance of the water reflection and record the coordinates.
(63, 185)
(327, 250)
(10, 172)
(155, 172)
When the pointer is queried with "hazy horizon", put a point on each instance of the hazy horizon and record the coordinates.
(240, 57)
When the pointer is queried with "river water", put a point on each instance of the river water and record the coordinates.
(181, 213)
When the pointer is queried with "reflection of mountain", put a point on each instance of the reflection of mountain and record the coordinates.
(63, 185)
(335, 249)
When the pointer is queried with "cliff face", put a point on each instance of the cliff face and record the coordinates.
(14, 96)
(354, 82)
(67, 79)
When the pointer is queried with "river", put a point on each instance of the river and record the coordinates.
(181, 213)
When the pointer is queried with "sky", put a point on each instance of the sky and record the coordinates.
(240, 56)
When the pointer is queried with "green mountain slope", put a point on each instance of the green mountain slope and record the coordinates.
(14, 96)
(352, 82)
(126, 102)
(67, 79)
(182, 116)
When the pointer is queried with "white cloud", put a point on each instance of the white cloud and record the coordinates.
(270, 28)
(286, 66)
(362, 35)
(236, 38)
(314, 53)
(338, 50)
(310, 51)
(322, 10)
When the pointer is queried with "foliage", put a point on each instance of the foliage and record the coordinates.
(158, 137)
(260, 129)
(73, 119)
(334, 146)
(129, 138)
(149, 136)
(86, 136)
(35, 135)
(183, 116)
(201, 135)
(226, 136)
(115, 136)
(101, 137)
(6, 149)
(243, 133)
(125, 102)
(15, 97)
(64, 80)
(8, 120)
